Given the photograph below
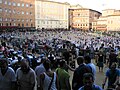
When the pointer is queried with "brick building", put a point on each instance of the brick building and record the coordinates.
(82, 18)
(17, 13)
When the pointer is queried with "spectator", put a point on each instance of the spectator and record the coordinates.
(63, 76)
(90, 65)
(7, 76)
(77, 81)
(112, 75)
(88, 80)
(112, 58)
(66, 55)
(100, 61)
(118, 59)
(26, 77)
(48, 80)
(39, 70)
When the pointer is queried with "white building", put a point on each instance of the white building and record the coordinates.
(50, 14)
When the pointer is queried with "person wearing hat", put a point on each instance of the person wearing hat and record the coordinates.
(7, 76)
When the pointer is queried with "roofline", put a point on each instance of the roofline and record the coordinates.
(86, 9)
(108, 9)
(114, 15)
(66, 3)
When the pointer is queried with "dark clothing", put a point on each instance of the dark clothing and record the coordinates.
(100, 60)
(77, 81)
(112, 58)
(112, 75)
(66, 55)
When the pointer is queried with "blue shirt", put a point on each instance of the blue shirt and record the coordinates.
(95, 87)
(93, 68)
(112, 76)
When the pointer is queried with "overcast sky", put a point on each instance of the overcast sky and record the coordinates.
(95, 4)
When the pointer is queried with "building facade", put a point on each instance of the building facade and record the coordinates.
(113, 23)
(109, 21)
(100, 24)
(50, 14)
(82, 18)
(17, 13)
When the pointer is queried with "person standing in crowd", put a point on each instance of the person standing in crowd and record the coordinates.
(118, 59)
(112, 74)
(90, 65)
(39, 70)
(7, 76)
(26, 77)
(49, 79)
(77, 81)
(63, 76)
(88, 80)
(100, 62)
(112, 58)
(66, 55)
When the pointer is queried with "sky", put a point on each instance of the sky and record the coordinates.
(98, 5)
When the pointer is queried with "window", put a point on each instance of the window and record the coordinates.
(31, 25)
(22, 25)
(10, 24)
(5, 2)
(0, 9)
(0, 19)
(15, 20)
(26, 20)
(18, 24)
(90, 24)
(0, 1)
(38, 22)
(18, 4)
(22, 12)
(14, 4)
(6, 10)
(22, 4)
(30, 5)
(27, 24)
(30, 20)
(6, 19)
(18, 20)
(14, 11)
(27, 5)
(10, 11)
(9, 3)
(30, 13)
(18, 12)
(22, 20)
(14, 24)
(27, 13)
(6, 24)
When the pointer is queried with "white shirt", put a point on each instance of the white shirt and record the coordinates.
(47, 81)
(26, 80)
(5, 80)
(39, 70)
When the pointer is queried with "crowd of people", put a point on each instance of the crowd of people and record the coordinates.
(43, 60)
